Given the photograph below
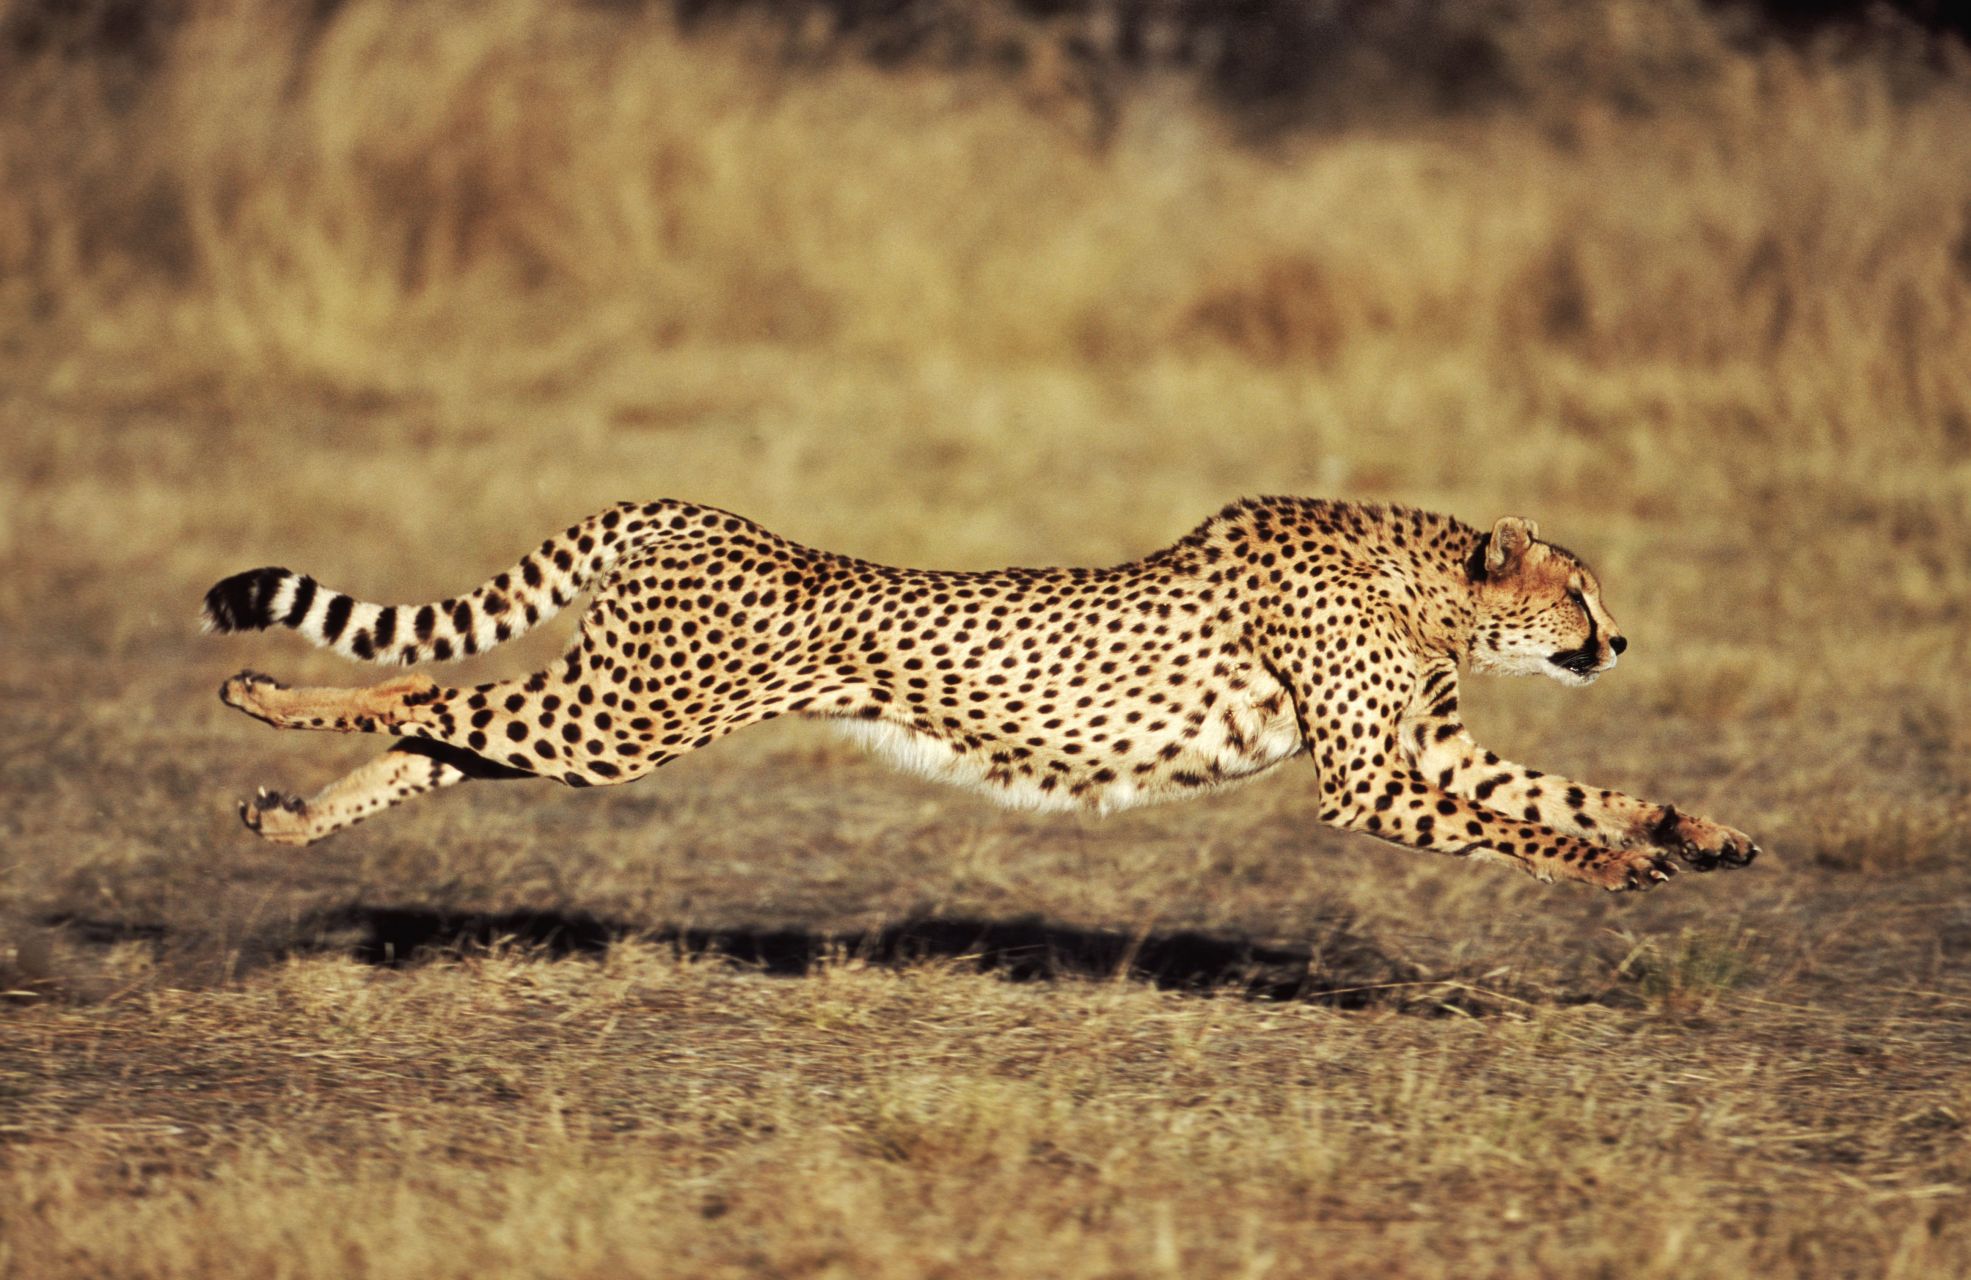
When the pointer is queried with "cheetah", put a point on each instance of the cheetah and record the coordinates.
(1281, 627)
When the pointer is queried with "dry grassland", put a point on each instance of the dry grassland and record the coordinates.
(388, 294)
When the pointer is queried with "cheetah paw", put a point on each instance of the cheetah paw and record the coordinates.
(1632, 871)
(277, 816)
(1703, 844)
(248, 692)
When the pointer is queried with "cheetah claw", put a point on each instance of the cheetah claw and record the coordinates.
(1738, 851)
(1701, 843)
(1630, 871)
(239, 690)
(266, 800)
(1653, 871)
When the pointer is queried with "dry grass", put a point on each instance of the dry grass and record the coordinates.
(387, 297)
(647, 1116)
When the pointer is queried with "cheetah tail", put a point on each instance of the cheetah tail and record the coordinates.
(505, 607)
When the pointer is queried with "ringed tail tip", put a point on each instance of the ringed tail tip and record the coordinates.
(243, 602)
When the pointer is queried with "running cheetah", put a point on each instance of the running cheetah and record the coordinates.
(1279, 627)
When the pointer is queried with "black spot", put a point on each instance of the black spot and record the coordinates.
(385, 629)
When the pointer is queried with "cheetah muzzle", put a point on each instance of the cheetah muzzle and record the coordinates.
(1280, 628)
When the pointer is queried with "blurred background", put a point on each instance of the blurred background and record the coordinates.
(917, 270)
(386, 292)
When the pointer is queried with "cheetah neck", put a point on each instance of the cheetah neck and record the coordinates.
(1420, 557)
(1443, 604)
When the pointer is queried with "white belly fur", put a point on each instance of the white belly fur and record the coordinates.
(1269, 741)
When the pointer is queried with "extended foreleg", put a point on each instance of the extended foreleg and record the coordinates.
(1403, 807)
(1445, 753)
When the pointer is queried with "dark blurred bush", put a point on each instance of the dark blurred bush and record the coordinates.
(1280, 63)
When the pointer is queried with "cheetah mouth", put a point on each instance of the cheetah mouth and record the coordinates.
(1581, 662)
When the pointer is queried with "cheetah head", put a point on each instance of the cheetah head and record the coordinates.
(1539, 608)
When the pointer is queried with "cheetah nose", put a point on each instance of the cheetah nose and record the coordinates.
(1618, 643)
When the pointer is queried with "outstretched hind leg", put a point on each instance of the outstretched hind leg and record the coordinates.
(377, 708)
(554, 724)
(601, 716)
(407, 770)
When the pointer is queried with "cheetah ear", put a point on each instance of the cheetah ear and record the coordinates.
(1511, 537)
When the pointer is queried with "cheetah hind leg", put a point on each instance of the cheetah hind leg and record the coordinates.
(407, 770)
(372, 709)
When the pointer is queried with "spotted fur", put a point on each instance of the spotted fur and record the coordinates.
(1280, 627)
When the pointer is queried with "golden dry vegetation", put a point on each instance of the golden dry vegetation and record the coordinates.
(386, 293)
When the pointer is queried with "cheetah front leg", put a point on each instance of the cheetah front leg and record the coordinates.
(1368, 785)
(1400, 805)
(1440, 748)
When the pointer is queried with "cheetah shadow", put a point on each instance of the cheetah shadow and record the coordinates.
(1338, 967)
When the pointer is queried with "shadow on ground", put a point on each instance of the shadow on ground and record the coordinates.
(1340, 967)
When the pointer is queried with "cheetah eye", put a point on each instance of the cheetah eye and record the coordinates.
(1580, 601)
